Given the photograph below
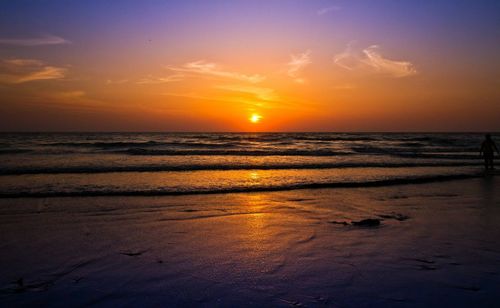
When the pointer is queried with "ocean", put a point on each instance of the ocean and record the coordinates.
(102, 164)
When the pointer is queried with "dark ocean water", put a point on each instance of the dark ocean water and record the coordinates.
(69, 164)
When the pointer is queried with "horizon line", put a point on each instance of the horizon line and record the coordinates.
(245, 132)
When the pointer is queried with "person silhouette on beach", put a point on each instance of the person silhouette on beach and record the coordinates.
(488, 148)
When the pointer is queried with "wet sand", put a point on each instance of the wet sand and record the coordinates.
(436, 244)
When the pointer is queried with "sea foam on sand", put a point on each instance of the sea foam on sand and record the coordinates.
(436, 244)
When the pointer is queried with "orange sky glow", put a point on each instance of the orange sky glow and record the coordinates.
(247, 66)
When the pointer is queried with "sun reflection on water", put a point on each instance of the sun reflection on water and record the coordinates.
(256, 222)
(254, 176)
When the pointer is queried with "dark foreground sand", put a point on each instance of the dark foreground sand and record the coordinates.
(257, 249)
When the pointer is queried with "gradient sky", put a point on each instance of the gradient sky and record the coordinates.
(302, 65)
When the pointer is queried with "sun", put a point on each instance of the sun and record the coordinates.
(255, 118)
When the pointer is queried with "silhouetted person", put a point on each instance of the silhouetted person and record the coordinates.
(488, 149)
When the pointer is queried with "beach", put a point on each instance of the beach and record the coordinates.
(437, 244)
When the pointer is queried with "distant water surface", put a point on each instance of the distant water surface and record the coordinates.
(70, 164)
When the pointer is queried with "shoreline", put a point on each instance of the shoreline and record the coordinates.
(304, 186)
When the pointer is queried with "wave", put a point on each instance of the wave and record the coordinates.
(419, 151)
(254, 144)
(13, 151)
(235, 150)
(439, 155)
(223, 167)
(147, 144)
(101, 144)
(282, 152)
(298, 152)
(329, 138)
(167, 192)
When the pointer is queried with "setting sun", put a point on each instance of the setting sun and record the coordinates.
(255, 118)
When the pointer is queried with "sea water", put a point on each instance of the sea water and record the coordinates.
(87, 164)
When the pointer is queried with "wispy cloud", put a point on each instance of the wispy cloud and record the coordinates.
(69, 95)
(210, 98)
(159, 80)
(326, 10)
(250, 102)
(70, 99)
(297, 63)
(269, 99)
(118, 81)
(25, 70)
(346, 59)
(381, 64)
(74, 97)
(214, 70)
(35, 41)
(265, 94)
(44, 73)
(370, 59)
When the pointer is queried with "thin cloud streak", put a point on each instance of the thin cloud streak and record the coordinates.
(326, 10)
(211, 69)
(238, 100)
(38, 41)
(394, 68)
(265, 94)
(72, 99)
(210, 98)
(17, 71)
(71, 94)
(346, 59)
(160, 80)
(370, 60)
(120, 81)
(297, 63)
(45, 73)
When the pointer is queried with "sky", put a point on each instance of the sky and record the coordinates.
(274, 65)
